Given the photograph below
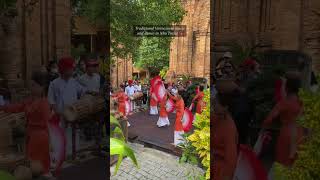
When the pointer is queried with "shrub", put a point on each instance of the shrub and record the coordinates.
(200, 138)
(307, 165)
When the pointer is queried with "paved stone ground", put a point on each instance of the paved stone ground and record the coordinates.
(154, 164)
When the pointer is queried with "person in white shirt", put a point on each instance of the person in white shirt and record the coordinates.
(137, 86)
(64, 91)
(130, 90)
(91, 80)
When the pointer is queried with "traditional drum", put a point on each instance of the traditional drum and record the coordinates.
(10, 161)
(84, 107)
(136, 96)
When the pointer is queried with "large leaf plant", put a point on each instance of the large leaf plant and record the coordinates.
(118, 144)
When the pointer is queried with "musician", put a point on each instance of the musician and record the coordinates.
(91, 80)
(130, 90)
(64, 91)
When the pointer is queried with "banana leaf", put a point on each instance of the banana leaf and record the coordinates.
(120, 148)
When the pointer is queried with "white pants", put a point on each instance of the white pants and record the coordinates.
(163, 121)
(68, 133)
(153, 110)
(178, 137)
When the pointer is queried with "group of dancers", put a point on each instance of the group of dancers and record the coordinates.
(166, 97)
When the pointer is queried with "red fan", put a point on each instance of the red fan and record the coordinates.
(249, 166)
(160, 91)
(187, 120)
(155, 80)
(170, 106)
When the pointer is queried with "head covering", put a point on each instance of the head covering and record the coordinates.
(249, 62)
(92, 62)
(227, 55)
(130, 82)
(65, 64)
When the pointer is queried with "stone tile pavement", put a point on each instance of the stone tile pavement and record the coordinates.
(155, 164)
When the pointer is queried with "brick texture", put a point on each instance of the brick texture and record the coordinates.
(191, 54)
(38, 34)
(121, 71)
(280, 25)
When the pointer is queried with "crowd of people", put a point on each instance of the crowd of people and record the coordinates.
(158, 106)
(233, 112)
(51, 92)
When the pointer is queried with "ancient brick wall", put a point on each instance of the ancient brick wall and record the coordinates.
(121, 71)
(191, 54)
(276, 24)
(41, 32)
(311, 31)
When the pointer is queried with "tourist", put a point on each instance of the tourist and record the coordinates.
(287, 111)
(179, 105)
(314, 82)
(145, 93)
(65, 91)
(91, 80)
(224, 144)
(38, 113)
(279, 90)
(163, 118)
(53, 72)
(81, 67)
(199, 98)
(224, 67)
(4, 92)
(130, 90)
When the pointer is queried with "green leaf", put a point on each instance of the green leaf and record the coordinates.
(6, 176)
(114, 121)
(118, 131)
(118, 147)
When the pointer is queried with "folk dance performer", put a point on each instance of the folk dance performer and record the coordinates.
(38, 113)
(122, 99)
(199, 99)
(91, 80)
(65, 91)
(163, 118)
(178, 128)
(153, 98)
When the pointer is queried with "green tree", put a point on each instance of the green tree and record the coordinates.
(123, 15)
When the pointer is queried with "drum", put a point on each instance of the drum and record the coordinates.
(7, 122)
(136, 96)
(84, 107)
(10, 161)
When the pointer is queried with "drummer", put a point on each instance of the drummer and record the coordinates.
(91, 80)
(64, 91)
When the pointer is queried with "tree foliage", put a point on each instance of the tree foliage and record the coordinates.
(123, 15)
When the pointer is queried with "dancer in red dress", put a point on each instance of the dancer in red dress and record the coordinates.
(224, 144)
(199, 99)
(288, 110)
